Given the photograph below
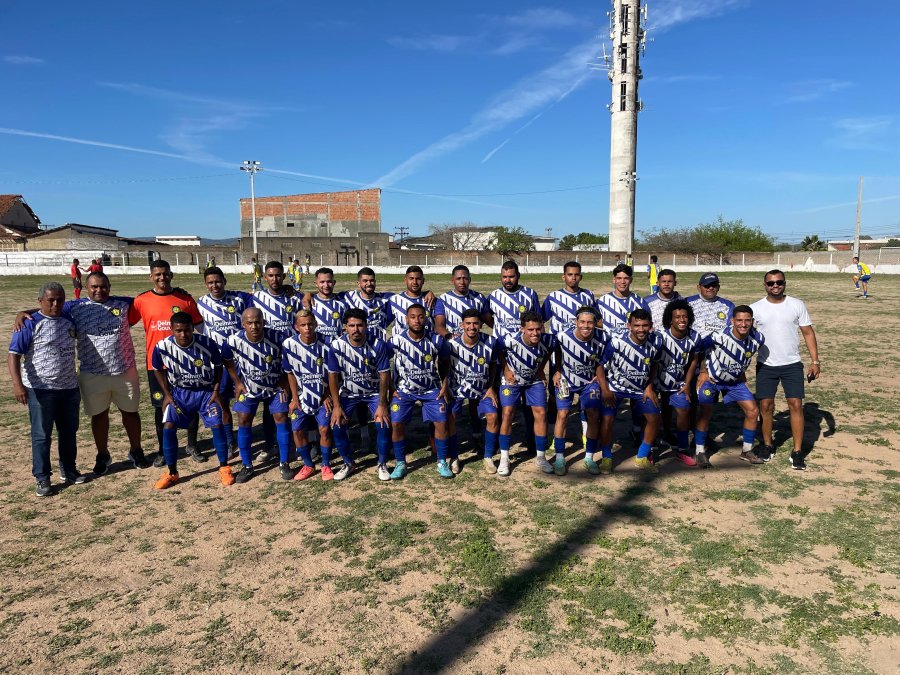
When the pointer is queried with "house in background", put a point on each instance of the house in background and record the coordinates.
(17, 222)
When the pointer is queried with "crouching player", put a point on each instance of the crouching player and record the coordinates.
(678, 358)
(253, 359)
(303, 360)
(473, 365)
(728, 355)
(525, 355)
(188, 368)
(630, 362)
(359, 373)
(579, 354)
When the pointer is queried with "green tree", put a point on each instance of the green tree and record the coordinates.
(893, 243)
(511, 241)
(812, 243)
(709, 240)
(570, 241)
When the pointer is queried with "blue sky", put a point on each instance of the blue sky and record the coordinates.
(136, 115)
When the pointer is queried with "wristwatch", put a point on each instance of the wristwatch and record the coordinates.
(815, 363)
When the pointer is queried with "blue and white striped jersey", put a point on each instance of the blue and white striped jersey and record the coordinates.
(614, 311)
(416, 362)
(400, 302)
(524, 360)
(103, 331)
(470, 367)
(47, 348)
(580, 358)
(307, 363)
(329, 316)
(508, 309)
(451, 306)
(657, 306)
(674, 358)
(377, 309)
(627, 364)
(560, 307)
(191, 367)
(711, 316)
(358, 366)
(222, 317)
(258, 364)
(727, 357)
(278, 311)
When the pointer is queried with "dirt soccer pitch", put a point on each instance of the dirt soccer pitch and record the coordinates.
(736, 569)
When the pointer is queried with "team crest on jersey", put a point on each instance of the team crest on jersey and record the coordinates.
(593, 357)
(721, 315)
(177, 409)
(116, 311)
(175, 309)
(428, 358)
(335, 315)
(521, 309)
(646, 359)
(480, 360)
(375, 310)
(395, 407)
(231, 309)
(288, 309)
(157, 396)
(268, 358)
(198, 362)
(242, 397)
(747, 354)
(366, 361)
(294, 415)
(319, 361)
(707, 392)
(507, 391)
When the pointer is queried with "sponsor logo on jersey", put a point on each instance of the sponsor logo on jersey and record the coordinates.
(480, 360)
(157, 396)
(198, 362)
(231, 309)
(116, 311)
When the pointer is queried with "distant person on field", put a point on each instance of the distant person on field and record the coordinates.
(862, 276)
(653, 273)
(778, 317)
(75, 272)
(41, 365)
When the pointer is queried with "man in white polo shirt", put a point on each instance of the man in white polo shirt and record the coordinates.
(778, 316)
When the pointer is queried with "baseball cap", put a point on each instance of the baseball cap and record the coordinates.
(709, 279)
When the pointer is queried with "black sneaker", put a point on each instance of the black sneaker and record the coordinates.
(136, 455)
(286, 472)
(195, 454)
(245, 474)
(750, 456)
(798, 462)
(44, 488)
(101, 465)
(72, 477)
(159, 461)
(764, 452)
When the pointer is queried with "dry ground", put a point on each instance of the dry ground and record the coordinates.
(738, 569)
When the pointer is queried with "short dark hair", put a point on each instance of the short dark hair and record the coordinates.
(458, 268)
(160, 265)
(530, 316)
(470, 313)
(365, 271)
(668, 272)
(572, 263)
(742, 309)
(640, 314)
(654, 259)
(681, 303)
(413, 306)
(182, 318)
(510, 265)
(275, 264)
(214, 270)
(414, 268)
(622, 267)
(586, 309)
(324, 270)
(774, 272)
(355, 313)
(102, 275)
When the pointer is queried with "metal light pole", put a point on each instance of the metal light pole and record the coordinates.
(251, 166)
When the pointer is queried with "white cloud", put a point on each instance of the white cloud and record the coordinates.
(22, 60)
(433, 43)
(543, 18)
(811, 90)
(669, 13)
(864, 132)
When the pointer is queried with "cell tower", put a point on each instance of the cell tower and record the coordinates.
(627, 31)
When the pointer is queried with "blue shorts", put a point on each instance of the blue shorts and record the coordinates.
(226, 386)
(709, 393)
(675, 399)
(301, 421)
(190, 402)
(278, 403)
(433, 408)
(485, 406)
(349, 406)
(865, 277)
(588, 396)
(535, 394)
(638, 405)
(654, 289)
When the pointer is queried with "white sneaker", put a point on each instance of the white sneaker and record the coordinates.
(503, 470)
(454, 465)
(383, 473)
(542, 464)
(489, 465)
(343, 472)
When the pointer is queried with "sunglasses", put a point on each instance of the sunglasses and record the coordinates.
(778, 282)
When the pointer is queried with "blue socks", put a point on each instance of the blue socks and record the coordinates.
(682, 438)
(700, 440)
(440, 445)
(590, 448)
(504, 442)
(490, 444)
(606, 450)
(383, 442)
(229, 434)
(220, 443)
(326, 453)
(342, 442)
(644, 450)
(559, 445)
(749, 436)
(170, 448)
(540, 445)
(283, 433)
(400, 451)
(245, 440)
(303, 451)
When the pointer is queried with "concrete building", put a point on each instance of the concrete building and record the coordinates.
(864, 244)
(74, 237)
(178, 239)
(15, 213)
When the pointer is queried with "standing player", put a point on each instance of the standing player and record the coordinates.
(303, 359)
(449, 308)
(474, 357)
(155, 309)
(657, 302)
(75, 272)
(421, 369)
(257, 272)
(653, 273)
(728, 354)
(678, 358)
(630, 363)
(376, 305)
(525, 355)
(712, 314)
(190, 386)
(862, 276)
(413, 295)
(253, 359)
(326, 306)
(359, 373)
(579, 355)
(778, 318)
(221, 311)
(560, 306)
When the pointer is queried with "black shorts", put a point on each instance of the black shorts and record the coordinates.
(791, 378)
(156, 392)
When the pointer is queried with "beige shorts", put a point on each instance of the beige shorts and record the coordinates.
(99, 391)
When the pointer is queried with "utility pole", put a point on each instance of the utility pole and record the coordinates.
(400, 233)
(251, 166)
(858, 212)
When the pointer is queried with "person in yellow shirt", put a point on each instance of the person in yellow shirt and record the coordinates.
(653, 274)
(862, 276)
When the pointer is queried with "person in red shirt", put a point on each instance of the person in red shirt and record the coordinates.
(75, 271)
(155, 309)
